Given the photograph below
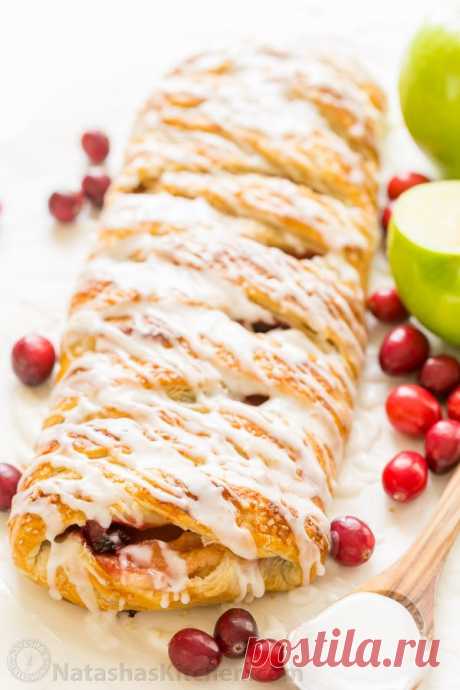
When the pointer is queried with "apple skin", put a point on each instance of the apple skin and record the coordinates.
(429, 91)
(428, 283)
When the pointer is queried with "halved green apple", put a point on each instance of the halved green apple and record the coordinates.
(424, 254)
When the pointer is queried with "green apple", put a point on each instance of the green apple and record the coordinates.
(424, 255)
(429, 90)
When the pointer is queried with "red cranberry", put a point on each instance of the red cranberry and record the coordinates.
(453, 405)
(265, 660)
(440, 374)
(442, 446)
(96, 145)
(404, 349)
(65, 206)
(94, 188)
(401, 183)
(194, 652)
(386, 217)
(9, 479)
(405, 476)
(412, 409)
(233, 630)
(352, 541)
(108, 540)
(33, 359)
(386, 305)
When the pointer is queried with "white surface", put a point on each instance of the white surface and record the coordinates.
(69, 65)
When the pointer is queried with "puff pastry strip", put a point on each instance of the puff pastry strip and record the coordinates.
(214, 342)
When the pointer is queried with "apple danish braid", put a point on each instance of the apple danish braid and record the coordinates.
(214, 342)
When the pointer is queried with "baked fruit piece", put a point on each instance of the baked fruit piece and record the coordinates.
(210, 361)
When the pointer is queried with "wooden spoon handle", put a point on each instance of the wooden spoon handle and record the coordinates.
(412, 579)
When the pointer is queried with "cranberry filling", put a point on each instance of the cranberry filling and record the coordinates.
(256, 399)
(103, 540)
(264, 327)
(307, 254)
(110, 540)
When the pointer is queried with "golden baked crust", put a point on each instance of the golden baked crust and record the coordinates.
(214, 342)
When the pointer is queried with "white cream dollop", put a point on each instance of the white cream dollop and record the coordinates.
(373, 617)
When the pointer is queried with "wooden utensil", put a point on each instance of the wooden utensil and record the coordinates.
(412, 579)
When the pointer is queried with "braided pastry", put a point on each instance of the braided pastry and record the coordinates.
(214, 342)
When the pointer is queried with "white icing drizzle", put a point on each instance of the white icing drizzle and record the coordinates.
(206, 116)
(250, 580)
(321, 221)
(96, 383)
(310, 291)
(292, 131)
(340, 80)
(66, 554)
(170, 577)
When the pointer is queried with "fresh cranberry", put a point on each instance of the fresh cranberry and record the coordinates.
(96, 145)
(194, 652)
(352, 541)
(33, 359)
(265, 660)
(108, 540)
(9, 479)
(233, 630)
(386, 305)
(386, 217)
(65, 206)
(94, 188)
(412, 409)
(453, 405)
(440, 374)
(442, 446)
(401, 183)
(404, 349)
(405, 476)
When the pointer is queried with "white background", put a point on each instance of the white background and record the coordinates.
(65, 66)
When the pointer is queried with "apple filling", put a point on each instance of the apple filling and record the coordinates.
(163, 558)
(265, 327)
